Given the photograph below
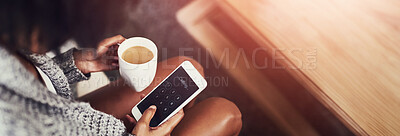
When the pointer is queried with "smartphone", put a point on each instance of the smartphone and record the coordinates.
(172, 94)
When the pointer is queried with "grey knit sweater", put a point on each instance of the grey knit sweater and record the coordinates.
(28, 108)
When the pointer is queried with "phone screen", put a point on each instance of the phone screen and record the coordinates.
(169, 95)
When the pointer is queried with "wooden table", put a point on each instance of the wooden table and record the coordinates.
(345, 52)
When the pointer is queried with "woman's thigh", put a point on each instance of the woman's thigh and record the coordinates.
(213, 116)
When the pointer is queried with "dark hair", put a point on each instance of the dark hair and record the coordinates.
(86, 21)
(19, 18)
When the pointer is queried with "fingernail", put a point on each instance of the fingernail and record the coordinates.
(153, 107)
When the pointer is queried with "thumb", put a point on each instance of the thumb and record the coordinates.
(147, 116)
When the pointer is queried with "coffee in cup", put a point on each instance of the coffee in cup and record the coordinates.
(137, 55)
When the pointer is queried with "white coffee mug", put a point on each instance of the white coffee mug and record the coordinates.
(138, 76)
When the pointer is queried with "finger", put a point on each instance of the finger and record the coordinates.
(114, 65)
(106, 43)
(147, 116)
(105, 67)
(130, 114)
(130, 119)
(142, 96)
(170, 124)
(129, 124)
(111, 60)
(115, 57)
(114, 50)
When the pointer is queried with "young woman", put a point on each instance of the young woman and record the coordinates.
(28, 29)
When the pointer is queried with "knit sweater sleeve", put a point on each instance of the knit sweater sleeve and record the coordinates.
(66, 62)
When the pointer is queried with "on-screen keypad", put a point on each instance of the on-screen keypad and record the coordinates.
(167, 97)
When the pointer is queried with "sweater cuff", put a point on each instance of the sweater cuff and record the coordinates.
(66, 62)
(128, 134)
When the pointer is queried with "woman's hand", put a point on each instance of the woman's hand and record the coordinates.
(103, 59)
(143, 128)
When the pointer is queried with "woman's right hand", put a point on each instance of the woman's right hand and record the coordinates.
(143, 128)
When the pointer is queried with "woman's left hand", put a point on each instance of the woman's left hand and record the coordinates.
(103, 59)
